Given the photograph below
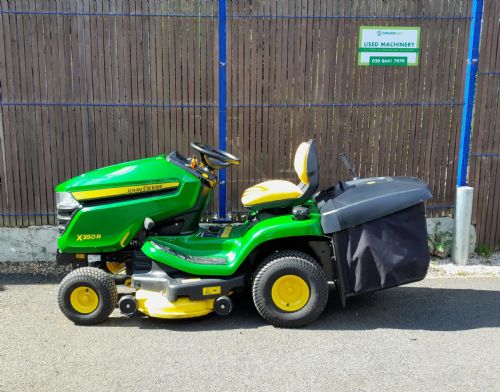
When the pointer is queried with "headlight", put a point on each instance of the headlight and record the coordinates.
(66, 208)
(66, 201)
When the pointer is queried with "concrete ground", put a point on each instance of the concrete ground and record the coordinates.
(442, 334)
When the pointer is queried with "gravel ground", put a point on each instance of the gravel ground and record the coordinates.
(441, 334)
(478, 265)
(493, 260)
(40, 271)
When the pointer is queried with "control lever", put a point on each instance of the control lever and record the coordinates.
(349, 166)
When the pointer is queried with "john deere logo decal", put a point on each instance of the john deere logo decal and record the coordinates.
(145, 188)
(86, 237)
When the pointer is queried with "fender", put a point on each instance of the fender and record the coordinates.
(223, 256)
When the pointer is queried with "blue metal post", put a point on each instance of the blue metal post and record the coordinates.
(222, 104)
(470, 90)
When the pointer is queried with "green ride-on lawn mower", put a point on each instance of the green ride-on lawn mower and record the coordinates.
(138, 224)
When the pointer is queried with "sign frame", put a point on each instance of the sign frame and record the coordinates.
(388, 60)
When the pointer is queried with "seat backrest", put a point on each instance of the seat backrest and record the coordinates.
(307, 167)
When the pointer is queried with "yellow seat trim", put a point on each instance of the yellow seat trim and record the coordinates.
(300, 162)
(269, 191)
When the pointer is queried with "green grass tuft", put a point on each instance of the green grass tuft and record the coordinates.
(485, 250)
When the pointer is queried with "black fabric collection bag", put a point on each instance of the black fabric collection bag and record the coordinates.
(386, 252)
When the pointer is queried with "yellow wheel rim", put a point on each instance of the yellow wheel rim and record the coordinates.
(116, 268)
(84, 300)
(290, 293)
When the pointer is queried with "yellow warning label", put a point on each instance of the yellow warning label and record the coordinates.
(226, 232)
(212, 290)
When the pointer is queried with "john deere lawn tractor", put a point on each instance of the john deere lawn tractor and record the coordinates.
(138, 224)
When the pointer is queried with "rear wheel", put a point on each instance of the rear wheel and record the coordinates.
(87, 296)
(289, 289)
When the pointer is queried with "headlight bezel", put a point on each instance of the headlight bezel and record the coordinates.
(66, 202)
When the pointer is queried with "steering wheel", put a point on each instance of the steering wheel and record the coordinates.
(215, 158)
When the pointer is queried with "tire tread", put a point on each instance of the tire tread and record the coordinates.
(99, 279)
(309, 265)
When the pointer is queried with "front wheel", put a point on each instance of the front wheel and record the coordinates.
(290, 289)
(87, 296)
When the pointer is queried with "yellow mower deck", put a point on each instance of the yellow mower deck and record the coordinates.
(155, 304)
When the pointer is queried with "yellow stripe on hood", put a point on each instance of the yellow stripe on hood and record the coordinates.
(122, 191)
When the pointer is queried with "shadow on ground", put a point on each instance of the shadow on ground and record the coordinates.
(416, 308)
(411, 308)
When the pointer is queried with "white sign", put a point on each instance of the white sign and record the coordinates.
(388, 46)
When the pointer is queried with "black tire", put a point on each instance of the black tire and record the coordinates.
(100, 282)
(284, 263)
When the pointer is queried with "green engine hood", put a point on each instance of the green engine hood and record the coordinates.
(141, 172)
(116, 199)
